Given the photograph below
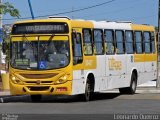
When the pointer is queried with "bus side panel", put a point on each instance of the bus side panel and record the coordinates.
(117, 71)
(139, 65)
(78, 82)
(150, 66)
(100, 71)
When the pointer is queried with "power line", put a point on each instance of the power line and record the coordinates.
(114, 11)
(71, 11)
(81, 9)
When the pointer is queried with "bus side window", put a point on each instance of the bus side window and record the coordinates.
(109, 41)
(138, 41)
(77, 48)
(152, 42)
(98, 42)
(129, 42)
(147, 42)
(87, 40)
(119, 41)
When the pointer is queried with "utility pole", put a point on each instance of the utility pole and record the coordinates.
(158, 79)
(30, 6)
(1, 54)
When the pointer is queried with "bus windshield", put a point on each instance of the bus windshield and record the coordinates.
(40, 55)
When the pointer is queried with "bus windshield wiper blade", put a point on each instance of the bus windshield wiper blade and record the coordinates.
(27, 41)
(50, 39)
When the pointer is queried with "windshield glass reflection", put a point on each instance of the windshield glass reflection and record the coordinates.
(40, 54)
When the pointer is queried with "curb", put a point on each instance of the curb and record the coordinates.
(147, 89)
(143, 89)
(4, 93)
(139, 90)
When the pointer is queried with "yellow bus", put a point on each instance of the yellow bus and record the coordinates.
(60, 56)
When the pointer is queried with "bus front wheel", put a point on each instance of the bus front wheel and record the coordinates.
(88, 92)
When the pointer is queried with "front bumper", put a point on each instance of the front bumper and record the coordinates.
(60, 89)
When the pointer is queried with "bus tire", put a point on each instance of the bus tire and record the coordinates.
(132, 88)
(133, 85)
(36, 98)
(87, 95)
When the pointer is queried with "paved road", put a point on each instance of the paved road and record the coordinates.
(104, 103)
(105, 106)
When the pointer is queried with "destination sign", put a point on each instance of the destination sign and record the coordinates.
(40, 28)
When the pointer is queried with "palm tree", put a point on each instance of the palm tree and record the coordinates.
(10, 9)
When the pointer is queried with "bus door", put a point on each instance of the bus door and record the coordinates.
(77, 60)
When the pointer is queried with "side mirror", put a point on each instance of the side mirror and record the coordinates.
(4, 47)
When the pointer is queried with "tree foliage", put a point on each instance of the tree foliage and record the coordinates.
(10, 9)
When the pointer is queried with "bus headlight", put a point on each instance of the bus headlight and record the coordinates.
(62, 79)
(15, 80)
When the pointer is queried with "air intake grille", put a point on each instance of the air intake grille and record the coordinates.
(39, 76)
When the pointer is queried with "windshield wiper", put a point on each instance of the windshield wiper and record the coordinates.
(27, 41)
(30, 44)
(50, 39)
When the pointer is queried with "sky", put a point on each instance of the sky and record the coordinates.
(137, 11)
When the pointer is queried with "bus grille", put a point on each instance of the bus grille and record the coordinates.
(35, 82)
(39, 76)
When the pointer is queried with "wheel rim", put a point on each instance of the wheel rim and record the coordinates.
(134, 84)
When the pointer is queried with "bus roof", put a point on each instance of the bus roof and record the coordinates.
(126, 25)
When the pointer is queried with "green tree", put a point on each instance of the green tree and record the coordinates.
(10, 9)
